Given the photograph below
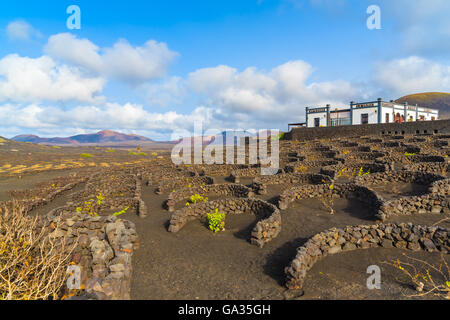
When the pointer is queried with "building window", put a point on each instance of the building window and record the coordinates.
(364, 118)
(387, 117)
(316, 122)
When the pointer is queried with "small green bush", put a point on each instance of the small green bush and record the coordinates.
(86, 155)
(197, 198)
(132, 153)
(216, 221)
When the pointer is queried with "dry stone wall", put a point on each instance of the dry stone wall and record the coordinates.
(223, 190)
(344, 190)
(333, 241)
(268, 216)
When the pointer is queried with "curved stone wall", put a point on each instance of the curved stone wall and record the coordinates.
(267, 228)
(441, 167)
(332, 241)
(342, 190)
(422, 178)
(226, 190)
(293, 178)
(436, 201)
(103, 251)
(373, 167)
(180, 182)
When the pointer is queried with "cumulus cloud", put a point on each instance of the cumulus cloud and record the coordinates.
(410, 75)
(168, 92)
(87, 118)
(122, 61)
(80, 52)
(21, 30)
(266, 99)
(24, 79)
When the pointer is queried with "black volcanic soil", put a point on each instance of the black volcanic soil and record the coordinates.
(28, 181)
(397, 190)
(197, 264)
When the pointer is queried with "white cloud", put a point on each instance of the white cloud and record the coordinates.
(24, 79)
(87, 118)
(167, 92)
(80, 52)
(262, 99)
(122, 61)
(411, 75)
(21, 30)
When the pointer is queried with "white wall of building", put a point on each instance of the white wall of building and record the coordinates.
(428, 116)
(321, 115)
(372, 112)
(371, 109)
(384, 111)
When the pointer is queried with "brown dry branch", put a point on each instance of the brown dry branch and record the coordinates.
(424, 277)
(33, 262)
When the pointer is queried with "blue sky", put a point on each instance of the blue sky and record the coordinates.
(150, 67)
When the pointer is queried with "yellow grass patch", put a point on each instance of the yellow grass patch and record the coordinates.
(60, 166)
(35, 166)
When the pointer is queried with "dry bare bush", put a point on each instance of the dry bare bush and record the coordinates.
(426, 278)
(327, 197)
(33, 263)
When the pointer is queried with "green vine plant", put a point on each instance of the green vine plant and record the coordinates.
(195, 199)
(119, 213)
(327, 198)
(90, 207)
(350, 174)
(216, 221)
(362, 173)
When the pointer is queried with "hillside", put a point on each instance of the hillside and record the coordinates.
(434, 100)
(103, 138)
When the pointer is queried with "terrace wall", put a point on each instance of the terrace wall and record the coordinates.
(419, 127)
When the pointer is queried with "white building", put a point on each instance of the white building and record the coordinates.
(367, 113)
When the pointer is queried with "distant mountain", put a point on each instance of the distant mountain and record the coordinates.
(433, 100)
(38, 140)
(105, 137)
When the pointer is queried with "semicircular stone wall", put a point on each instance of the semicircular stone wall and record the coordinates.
(225, 190)
(342, 190)
(334, 240)
(268, 216)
